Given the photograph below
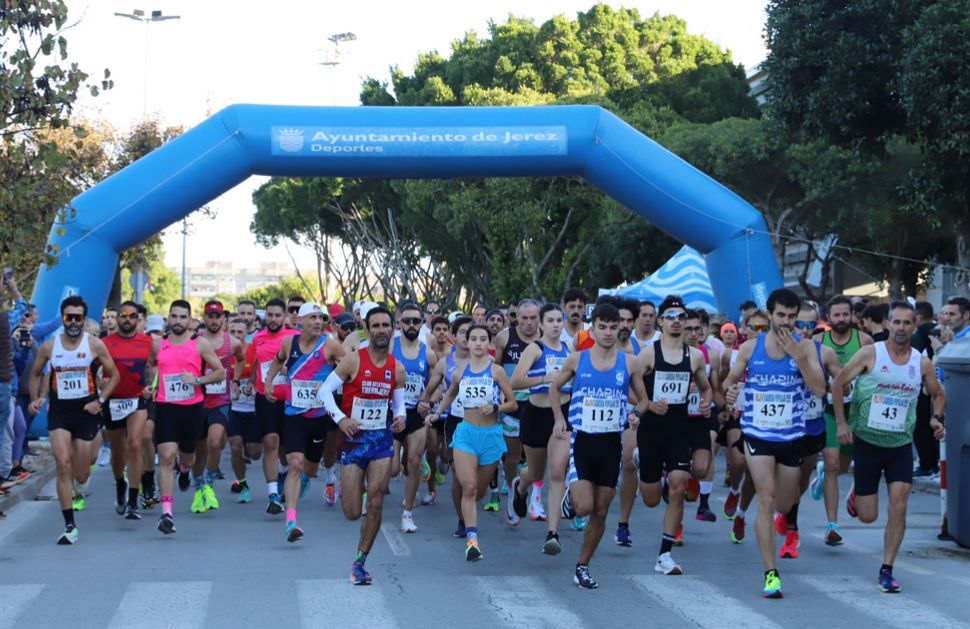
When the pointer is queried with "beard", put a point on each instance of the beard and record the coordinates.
(273, 326)
(623, 335)
(74, 331)
(410, 333)
(178, 329)
(841, 328)
(380, 341)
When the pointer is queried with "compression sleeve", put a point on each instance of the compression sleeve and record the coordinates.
(400, 410)
(331, 384)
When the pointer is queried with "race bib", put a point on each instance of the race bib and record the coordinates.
(73, 385)
(412, 388)
(473, 392)
(888, 413)
(554, 364)
(215, 388)
(457, 409)
(694, 403)
(601, 415)
(280, 378)
(773, 411)
(305, 394)
(372, 414)
(671, 386)
(176, 390)
(816, 407)
(122, 408)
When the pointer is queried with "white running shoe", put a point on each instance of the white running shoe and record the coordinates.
(667, 565)
(428, 499)
(408, 525)
(511, 518)
(104, 456)
(536, 511)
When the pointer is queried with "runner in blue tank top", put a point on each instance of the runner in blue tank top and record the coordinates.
(780, 368)
(538, 366)
(602, 381)
(418, 362)
(478, 443)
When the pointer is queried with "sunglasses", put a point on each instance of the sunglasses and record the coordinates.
(759, 327)
(412, 320)
(214, 315)
(293, 309)
(692, 328)
(73, 318)
(125, 315)
(349, 327)
(432, 311)
(511, 315)
(671, 316)
(806, 325)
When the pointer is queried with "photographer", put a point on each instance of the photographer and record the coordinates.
(24, 353)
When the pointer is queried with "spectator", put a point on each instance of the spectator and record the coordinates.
(24, 353)
(874, 321)
(927, 447)
(9, 383)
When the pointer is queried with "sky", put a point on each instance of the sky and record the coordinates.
(222, 52)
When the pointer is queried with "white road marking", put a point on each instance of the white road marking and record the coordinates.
(13, 600)
(863, 595)
(395, 539)
(147, 605)
(525, 602)
(681, 595)
(337, 603)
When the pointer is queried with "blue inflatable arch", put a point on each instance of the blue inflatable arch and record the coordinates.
(408, 142)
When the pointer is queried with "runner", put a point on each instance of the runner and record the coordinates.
(246, 309)
(494, 321)
(125, 415)
(667, 438)
(647, 332)
(372, 379)
(179, 358)
(269, 415)
(478, 443)
(308, 358)
(574, 303)
(846, 341)
(881, 424)
(73, 418)
(538, 366)
(629, 342)
(242, 429)
(703, 428)
(781, 368)
(509, 345)
(602, 380)
(437, 450)
(418, 361)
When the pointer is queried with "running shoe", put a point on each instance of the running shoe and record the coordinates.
(666, 565)
(330, 495)
(704, 514)
(235, 488)
(460, 532)
(244, 496)
(219, 475)
(120, 506)
(519, 502)
(789, 550)
(537, 513)
(443, 468)
(69, 536)
(731, 505)
(408, 525)
(439, 478)
(148, 502)
(275, 505)
(429, 498)
(304, 486)
(209, 495)
(494, 503)
(679, 537)
(887, 584)
(131, 513)
(622, 537)
(472, 551)
(781, 524)
(359, 576)
(184, 480)
(817, 485)
(582, 578)
(293, 531)
(693, 489)
(78, 503)
(424, 470)
(104, 456)
(832, 535)
(551, 546)
(511, 517)
(198, 502)
(16, 477)
(772, 585)
(166, 524)
(737, 530)
(566, 507)
(579, 523)
(636, 457)
(850, 503)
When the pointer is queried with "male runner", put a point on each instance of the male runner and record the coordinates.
(266, 345)
(574, 303)
(647, 332)
(373, 383)
(242, 429)
(781, 367)
(628, 342)
(602, 380)
(667, 437)
(246, 309)
(703, 429)
(125, 414)
(73, 417)
(178, 359)
(494, 321)
(881, 424)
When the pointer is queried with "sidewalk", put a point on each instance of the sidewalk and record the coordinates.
(41, 461)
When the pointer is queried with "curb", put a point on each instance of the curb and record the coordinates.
(44, 472)
(927, 485)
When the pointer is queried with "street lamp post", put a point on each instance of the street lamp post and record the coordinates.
(148, 19)
(333, 62)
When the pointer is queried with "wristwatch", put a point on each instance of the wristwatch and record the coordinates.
(198, 381)
(101, 402)
(939, 418)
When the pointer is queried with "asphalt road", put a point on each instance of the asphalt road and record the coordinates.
(233, 568)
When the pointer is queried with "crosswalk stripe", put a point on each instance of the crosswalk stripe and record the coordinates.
(524, 602)
(13, 600)
(336, 603)
(395, 540)
(862, 595)
(147, 605)
(719, 609)
(876, 553)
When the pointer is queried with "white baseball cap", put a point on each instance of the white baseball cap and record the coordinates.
(365, 307)
(310, 308)
(455, 315)
(155, 323)
(356, 306)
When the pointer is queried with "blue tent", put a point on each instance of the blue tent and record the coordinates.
(684, 274)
